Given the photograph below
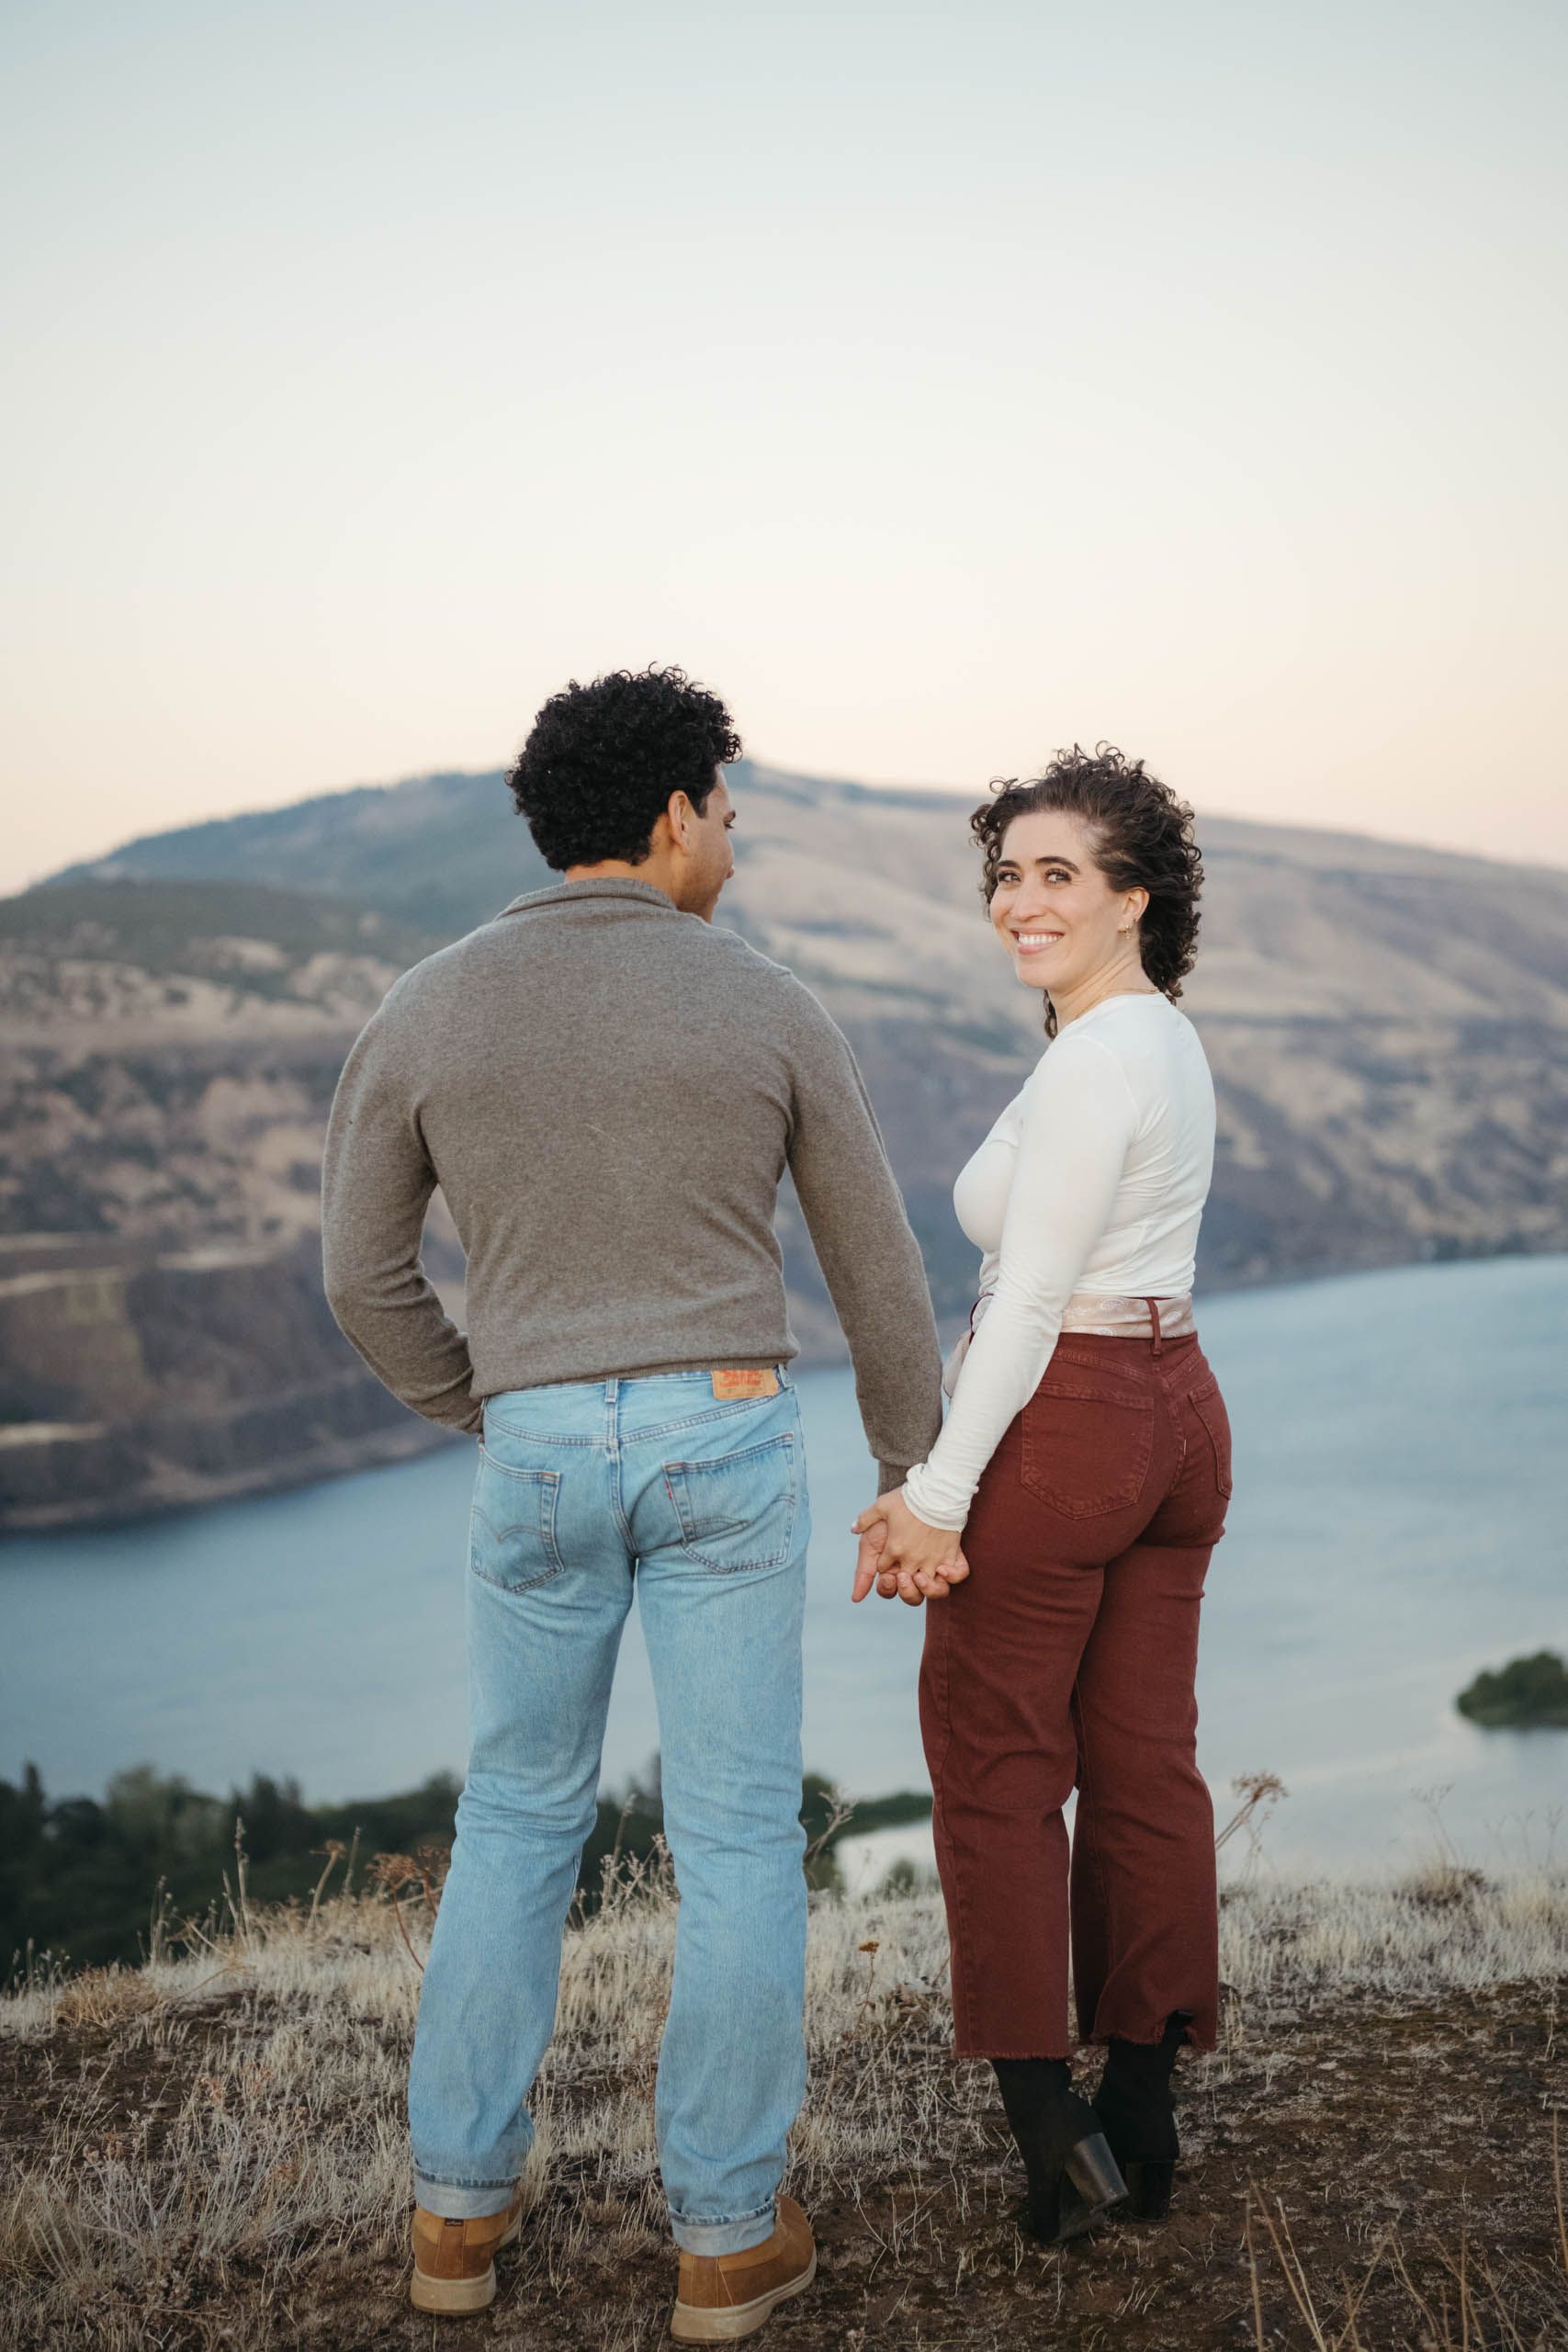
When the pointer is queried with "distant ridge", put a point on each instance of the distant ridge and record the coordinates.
(1386, 1023)
(435, 848)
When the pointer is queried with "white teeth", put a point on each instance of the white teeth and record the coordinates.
(1037, 938)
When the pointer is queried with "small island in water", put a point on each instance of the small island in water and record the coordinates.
(1528, 1694)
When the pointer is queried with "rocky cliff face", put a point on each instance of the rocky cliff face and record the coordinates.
(167, 1057)
(139, 1380)
(1386, 1027)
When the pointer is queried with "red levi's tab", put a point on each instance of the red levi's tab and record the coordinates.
(729, 1386)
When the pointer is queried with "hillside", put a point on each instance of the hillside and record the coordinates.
(1367, 2156)
(167, 1053)
(1386, 1025)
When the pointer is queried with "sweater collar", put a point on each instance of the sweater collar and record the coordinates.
(599, 886)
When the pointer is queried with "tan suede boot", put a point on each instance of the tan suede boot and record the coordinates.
(453, 2262)
(722, 2296)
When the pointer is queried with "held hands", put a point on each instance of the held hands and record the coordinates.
(900, 1554)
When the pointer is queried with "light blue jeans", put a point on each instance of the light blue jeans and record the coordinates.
(584, 1489)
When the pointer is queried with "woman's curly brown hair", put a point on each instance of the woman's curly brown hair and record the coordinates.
(1142, 838)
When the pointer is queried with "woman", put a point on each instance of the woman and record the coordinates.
(1086, 1464)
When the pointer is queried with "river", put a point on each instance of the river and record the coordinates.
(1401, 1503)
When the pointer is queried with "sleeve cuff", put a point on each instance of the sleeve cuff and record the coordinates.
(912, 1488)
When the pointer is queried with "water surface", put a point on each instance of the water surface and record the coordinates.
(1401, 1495)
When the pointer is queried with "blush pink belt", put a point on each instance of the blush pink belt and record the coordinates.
(1101, 1313)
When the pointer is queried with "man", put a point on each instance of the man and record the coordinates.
(607, 1090)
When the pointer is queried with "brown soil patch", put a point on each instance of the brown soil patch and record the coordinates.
(1362, 2174)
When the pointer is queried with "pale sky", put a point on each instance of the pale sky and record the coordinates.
(940, 383)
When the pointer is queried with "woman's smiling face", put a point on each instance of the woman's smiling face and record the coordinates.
(1052, 909)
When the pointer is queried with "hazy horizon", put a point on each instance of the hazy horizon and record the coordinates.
(941, 387)
(830, 775)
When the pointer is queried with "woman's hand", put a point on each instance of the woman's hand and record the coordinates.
(899, 1553)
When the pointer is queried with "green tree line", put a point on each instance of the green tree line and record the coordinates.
(82, 1878)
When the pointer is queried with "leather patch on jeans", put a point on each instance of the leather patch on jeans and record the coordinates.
(728, 1386)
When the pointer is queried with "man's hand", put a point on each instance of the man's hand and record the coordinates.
(900, 1554)
(867, 1566)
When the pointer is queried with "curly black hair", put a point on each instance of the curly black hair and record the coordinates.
(601, 760)
(1141, 837)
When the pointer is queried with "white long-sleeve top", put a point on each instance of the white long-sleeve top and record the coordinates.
(1093, 1179)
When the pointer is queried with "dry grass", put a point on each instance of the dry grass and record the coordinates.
(209, 2151)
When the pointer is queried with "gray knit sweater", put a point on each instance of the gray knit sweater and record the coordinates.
(608, 1091)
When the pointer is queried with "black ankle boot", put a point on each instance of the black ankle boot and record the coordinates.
(1071, 2172)
(1134, 2106)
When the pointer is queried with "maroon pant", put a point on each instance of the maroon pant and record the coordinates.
(1067, 1657)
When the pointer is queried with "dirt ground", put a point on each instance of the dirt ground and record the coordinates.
(1362, 2174)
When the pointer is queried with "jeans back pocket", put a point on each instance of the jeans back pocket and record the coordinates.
(512, 1525)
(738, 1510)
(1086, 1444)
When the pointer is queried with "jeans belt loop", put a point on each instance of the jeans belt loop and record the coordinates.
(1152, 1305)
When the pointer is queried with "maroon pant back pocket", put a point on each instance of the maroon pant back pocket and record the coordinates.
(1087, 1443)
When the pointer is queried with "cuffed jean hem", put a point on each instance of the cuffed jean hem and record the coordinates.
(462, 2200)
(992, 2052)
(1199, 2038)
(736, 2236)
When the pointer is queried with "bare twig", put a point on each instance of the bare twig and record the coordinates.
(842, 1811)
(1257, 1791)
(1258, 2337)
(334, 1850)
